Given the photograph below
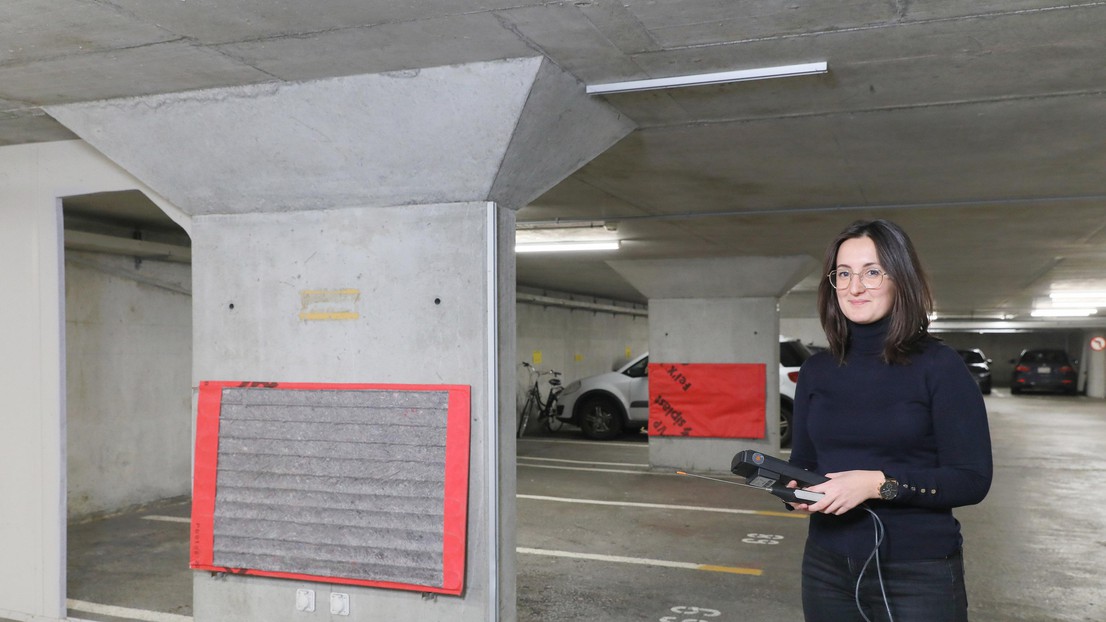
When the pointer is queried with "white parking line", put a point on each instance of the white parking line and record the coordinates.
(568, 468)
(661, 506)
(592, 443)
(641, 561)
(168, 519)
(628, 464)
(124, 612)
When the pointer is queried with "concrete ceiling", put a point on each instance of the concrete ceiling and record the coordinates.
(979, 126)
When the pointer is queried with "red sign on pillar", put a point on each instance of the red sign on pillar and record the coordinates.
(712, 400)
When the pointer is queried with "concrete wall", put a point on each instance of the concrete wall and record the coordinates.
(128, 381)
(576, 342)
(807, 330)
(33, 178)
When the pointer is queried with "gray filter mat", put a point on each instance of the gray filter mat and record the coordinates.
(344, 484)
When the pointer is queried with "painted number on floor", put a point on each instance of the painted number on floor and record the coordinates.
(762, 538)
(688, 613)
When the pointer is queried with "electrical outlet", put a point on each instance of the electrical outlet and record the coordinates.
(305, 600)
(339, 604)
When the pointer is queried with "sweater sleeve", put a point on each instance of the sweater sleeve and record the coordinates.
(802, 448)
(964, 467)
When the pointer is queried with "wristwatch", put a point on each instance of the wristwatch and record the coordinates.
(889, 489)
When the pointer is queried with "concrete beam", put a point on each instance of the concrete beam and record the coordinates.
(503, 131)
(716, 277)
(560, 129)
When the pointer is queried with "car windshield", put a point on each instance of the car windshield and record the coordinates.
(638, 369)
(793, 353)
(971, 356)
(1045, 356)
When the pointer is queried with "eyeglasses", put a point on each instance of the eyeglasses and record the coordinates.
(870, 278)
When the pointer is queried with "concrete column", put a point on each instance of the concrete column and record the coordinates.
(33, 179)
(1094, 364)
(399, 187)
(716, 310)
(420, 278)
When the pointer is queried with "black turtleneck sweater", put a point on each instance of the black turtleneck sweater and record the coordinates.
(923, 424)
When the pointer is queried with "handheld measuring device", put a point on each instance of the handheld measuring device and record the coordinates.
(772, 474)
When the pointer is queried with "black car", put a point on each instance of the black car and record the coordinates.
(980, 366)
(1044, 370)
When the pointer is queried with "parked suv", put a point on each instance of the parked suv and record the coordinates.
(608, 404)
(1044, 370)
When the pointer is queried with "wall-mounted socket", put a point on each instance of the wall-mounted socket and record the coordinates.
(305, 600)
(339, 604)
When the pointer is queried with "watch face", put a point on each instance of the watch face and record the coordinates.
(889, 490)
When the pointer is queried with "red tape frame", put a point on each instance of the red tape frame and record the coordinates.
(456, 482)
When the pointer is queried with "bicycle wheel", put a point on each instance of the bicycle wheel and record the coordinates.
(528, 410)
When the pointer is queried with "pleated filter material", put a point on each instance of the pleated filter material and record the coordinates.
(332, 483)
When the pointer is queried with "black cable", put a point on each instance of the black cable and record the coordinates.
(878, 528)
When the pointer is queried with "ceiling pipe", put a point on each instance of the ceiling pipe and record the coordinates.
(565, 222)
(549, 301)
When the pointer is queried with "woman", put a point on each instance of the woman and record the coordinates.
(894, 419)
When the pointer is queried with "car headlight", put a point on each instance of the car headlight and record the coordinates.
(571, 387)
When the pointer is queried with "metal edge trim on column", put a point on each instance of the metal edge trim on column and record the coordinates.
(491, 256)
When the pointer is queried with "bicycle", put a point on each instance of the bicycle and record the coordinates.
(547, 415)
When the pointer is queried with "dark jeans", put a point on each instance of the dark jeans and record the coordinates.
(927, 590)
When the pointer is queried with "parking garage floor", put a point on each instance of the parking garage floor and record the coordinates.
(603, 537)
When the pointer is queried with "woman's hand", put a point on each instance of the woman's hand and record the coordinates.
(844, 491)
(801, 507)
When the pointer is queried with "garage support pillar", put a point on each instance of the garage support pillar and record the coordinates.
(715, 310)
(361, 229)
(1094, 364)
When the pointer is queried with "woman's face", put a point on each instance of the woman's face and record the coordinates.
(861, 304)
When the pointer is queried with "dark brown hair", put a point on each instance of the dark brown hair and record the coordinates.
(912, 303)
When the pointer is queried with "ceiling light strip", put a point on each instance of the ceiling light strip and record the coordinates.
(1063, 312)
(1078, 295)
(557, 247)
(702, 79)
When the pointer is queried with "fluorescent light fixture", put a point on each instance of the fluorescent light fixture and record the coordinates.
(702, 79)
(1075, 298)
(574, 237)
(1075, 303)
(556, 247)
(1077, 294)
(1063, 312)
(547, 225)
